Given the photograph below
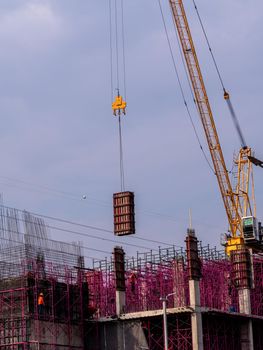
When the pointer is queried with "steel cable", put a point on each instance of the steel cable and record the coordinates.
(181, 89)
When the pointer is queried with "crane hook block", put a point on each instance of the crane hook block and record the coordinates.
(119, 106)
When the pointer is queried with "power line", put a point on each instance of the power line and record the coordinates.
(82, 233)
(50, 249)
(77, 197)
(96, 228)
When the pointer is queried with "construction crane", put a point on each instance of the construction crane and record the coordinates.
(239, 200)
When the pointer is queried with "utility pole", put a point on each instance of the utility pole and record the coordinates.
(165, 327)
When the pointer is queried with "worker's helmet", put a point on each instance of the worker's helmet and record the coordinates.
(41, 294)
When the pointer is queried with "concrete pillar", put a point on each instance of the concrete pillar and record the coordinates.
(120, 302)
(244, 301)
(246, 331)
(194, 273)
(119, 264)
(246, 335)
(120, 336)
(196, 316)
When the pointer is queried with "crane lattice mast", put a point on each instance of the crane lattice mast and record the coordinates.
(230, 198)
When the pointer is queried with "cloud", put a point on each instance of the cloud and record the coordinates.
(31, 26)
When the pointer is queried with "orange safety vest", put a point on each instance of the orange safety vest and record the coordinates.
(40, 300)
(133, 278)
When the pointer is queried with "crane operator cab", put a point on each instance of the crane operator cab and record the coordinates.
(251, 229)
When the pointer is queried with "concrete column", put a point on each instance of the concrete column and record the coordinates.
(244, 301)
(247, 342)
(246, 335)
(120, 302)
(120, 336)
(196, 316)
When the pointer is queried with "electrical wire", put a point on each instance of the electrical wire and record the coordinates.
(89, 227)
(181, 89)
(60, 229)
(99, 228)
(54, 250)
(64, 194)
(76, 197)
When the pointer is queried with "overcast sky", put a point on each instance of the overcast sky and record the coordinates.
(59, 140)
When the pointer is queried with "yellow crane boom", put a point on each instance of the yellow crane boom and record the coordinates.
(232, 200)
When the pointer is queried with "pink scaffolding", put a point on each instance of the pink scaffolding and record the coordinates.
(152, 275)
(32, 264)
(60, 323)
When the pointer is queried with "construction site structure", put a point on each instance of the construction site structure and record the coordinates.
(210, 301)
(43, 289)
(50, 300)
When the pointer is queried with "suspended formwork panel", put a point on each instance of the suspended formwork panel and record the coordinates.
(124, 215)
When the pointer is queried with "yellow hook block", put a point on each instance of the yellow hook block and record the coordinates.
(119, 105)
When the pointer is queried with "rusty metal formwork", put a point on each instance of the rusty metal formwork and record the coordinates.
(124, 215)
(119, 268)
(241, 268)
(193, 260)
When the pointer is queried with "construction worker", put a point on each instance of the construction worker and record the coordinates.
(132, 280)
(91, 311)
(40, 304)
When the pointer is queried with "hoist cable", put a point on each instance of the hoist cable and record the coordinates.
(117, 44)
(226, 95)
(209, 46)
(118, 26)
(121, 156)
(236, 123)
(111, 49)
(124, 85)
(181, 89)
(123, 50)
